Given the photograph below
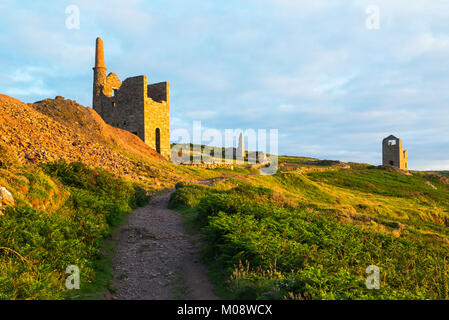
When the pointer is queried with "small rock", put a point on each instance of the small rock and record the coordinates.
(6, 198)
(431, 185)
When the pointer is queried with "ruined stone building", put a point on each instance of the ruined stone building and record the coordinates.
(133, 105)
(393, 154)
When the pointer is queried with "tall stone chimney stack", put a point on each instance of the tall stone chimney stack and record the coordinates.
(99, 54)
(240, 152)
(99, 76)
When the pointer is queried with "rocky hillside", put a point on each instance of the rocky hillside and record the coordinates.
(61, 129)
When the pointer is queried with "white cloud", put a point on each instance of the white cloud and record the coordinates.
(30, 73)
(201, 114)
(423, 43)
(128, 16)
(429, 164)
(29, 91)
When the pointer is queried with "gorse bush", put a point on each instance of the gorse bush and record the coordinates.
(252, 191)
(186, 196)
(264, 250)
(37, 246)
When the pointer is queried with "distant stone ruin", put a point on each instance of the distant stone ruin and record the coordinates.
(257, 157)
(240, 152)
(252, 157)
(133, 105)
(393, 154)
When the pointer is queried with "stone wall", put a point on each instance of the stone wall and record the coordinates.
(112, 82)
(210, 165)
(159, 92)
(393, 154)
(124, 109)
(157, 117)
(133, 105)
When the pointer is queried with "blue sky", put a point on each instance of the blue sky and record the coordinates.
(311, 69)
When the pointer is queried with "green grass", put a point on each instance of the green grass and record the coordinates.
(179, 291)
(291, 159)
(312, 236)
(41, 243)
(189, 217)
(383, 182)
(101, 282)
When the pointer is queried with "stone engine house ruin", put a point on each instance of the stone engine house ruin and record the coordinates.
(393, 154)
(133, 105)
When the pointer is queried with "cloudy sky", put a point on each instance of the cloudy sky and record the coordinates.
(312, 69)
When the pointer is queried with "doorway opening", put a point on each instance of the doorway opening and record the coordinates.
(158, 140)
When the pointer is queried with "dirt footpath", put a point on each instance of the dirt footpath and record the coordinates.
(156, 259)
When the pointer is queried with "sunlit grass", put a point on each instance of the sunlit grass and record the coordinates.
(38, 240)
(317, 229)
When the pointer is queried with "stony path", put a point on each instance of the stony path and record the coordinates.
(156, 259)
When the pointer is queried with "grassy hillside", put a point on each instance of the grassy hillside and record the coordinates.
(73, 178)
(310, 232)
(63, 213)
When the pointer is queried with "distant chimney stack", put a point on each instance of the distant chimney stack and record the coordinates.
(99, 76)
(99, 54)
(240, 153)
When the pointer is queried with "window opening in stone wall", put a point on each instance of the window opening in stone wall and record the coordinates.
(158, 140)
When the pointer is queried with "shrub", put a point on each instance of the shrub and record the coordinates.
(311, 254)
(39, 246)
(180, 185)
(186, 196)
